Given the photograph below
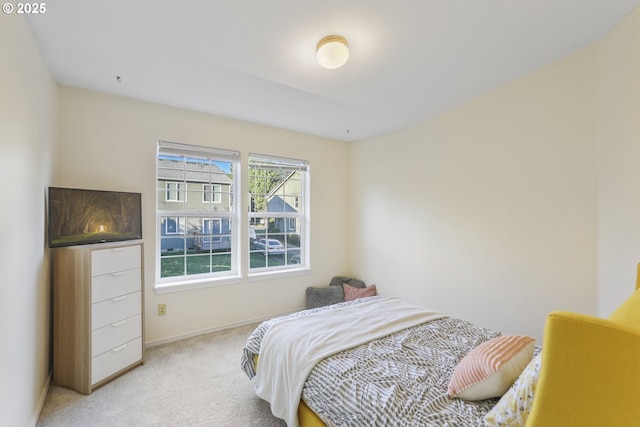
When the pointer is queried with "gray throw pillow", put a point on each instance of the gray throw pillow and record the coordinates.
(319, 297)
(340, 280)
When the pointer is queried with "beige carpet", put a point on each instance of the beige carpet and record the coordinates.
(193, 382)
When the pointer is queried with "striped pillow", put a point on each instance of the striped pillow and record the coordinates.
(491, 368)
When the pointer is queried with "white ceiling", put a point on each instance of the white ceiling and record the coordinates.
(254, 60)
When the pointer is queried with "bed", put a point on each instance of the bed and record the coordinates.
(401, 375)
(393, 369)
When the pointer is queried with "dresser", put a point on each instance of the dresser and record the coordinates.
(98, 296)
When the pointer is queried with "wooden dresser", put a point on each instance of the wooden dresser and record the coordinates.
(98, 296)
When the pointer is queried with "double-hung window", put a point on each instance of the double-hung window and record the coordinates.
(278, 213)
(196, 214)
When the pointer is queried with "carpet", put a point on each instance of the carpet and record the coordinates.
(192, 382)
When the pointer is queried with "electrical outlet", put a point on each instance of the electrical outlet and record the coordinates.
(162, 309)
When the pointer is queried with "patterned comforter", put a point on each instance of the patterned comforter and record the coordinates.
(398, 380)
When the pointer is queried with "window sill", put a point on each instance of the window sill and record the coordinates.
(188, 285)
(267, 275)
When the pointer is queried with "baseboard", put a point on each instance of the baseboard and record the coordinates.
(218, 328)
(41, 400)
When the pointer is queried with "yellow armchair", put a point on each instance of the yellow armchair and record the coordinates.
(590, 372)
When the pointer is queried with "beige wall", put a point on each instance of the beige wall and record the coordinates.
(27, 140)
(487, 212)
(618, 163)
(109, 142)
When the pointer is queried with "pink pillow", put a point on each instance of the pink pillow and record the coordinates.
(491, 368)
(351, 292)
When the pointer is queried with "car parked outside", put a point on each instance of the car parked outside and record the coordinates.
(269, 246)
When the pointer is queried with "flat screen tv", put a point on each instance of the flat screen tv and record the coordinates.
(82, 217)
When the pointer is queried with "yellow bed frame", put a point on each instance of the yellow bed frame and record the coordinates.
(308, 418)
(590, 373)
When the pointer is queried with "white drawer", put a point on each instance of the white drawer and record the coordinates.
(113, 310)
(110, 260)
(111, 285)
(115, 360)
(116, 334)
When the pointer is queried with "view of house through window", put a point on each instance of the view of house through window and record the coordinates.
(196, 212)
(277, 215)
(198, 217)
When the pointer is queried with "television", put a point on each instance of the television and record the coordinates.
(82, 217)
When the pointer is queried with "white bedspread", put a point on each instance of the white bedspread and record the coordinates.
(291, 348)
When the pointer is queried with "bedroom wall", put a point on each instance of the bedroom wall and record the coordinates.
(619, 154)
(109, 142)
(27, 140)
(488, 211)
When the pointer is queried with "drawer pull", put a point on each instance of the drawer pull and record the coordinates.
(120, 323)
(118, 273)
(117, 349)
(120, 298)
(118, 249)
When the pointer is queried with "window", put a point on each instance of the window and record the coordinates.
(175, 191)
(278, 214)
(197, 238)
(211, 193)
(172, 225)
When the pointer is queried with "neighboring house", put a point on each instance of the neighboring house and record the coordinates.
(193, 186)
(280, 219)
(285, 197)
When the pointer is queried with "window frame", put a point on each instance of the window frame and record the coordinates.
(238, 230)
(301, 216)
(203, 211)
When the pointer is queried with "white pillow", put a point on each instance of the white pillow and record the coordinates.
(513, 408)
(491, 368)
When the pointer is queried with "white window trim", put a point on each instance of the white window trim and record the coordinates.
(303, 216)
(182, 283)
(240, 271)
(191, 284)
(289, 271)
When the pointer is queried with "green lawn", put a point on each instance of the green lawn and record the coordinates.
(173, 264)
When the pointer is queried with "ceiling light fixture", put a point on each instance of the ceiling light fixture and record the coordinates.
(332, 52)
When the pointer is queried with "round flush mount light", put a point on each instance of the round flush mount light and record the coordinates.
(332, 52)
